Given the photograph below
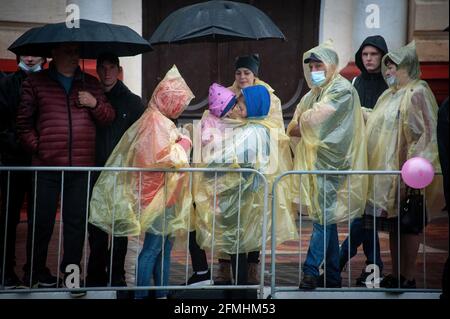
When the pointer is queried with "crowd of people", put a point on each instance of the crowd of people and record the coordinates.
(61, 116)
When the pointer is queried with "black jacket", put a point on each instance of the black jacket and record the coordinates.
(11, 152)
(370, 85)
(128, 108)
(443, 145)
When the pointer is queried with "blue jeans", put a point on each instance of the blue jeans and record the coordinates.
(359, 235)
(149, 265)
(315, 255)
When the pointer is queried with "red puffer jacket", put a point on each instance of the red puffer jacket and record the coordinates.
(51, 125)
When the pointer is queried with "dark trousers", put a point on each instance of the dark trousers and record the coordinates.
(252, 257)
(359, 235)
(198, 255)
(446, 273)
(12, 200)
(41, 220)
(242, 269)
(100, 258)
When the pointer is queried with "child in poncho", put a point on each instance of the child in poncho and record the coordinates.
(157, 203)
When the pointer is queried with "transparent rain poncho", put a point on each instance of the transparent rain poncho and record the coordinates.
(126, 203)
(241, 143)
(332, 138)
(401, 126)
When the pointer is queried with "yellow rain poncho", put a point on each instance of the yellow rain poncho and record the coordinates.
(242, 143)
(275, 112)
(401, 126)
(332, 138)
(132, 203)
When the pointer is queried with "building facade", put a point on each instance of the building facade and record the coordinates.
(305, 24)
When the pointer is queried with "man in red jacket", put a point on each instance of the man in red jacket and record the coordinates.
(56, 120)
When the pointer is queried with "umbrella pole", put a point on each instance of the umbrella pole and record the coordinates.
(82, 76)
(218, 64)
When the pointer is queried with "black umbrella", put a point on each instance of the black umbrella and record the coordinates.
(93, 37)
(217, 21)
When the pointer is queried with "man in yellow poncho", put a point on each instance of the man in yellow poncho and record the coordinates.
(126, 203)
(329, 127)
(402, 126)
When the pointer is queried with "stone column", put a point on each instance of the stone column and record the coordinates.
(336, 23)
(127, 13)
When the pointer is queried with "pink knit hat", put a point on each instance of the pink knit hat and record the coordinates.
(220, 100)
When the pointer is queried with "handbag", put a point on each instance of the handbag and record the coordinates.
(412, 212)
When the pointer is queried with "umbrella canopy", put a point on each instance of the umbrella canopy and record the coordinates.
(216, 21)
(93, 37)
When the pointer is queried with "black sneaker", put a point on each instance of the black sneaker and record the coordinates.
(26, 280)
(308, 282)
(119, 282)
(407, 284)
(330, 284)
(200, 280)
(361, 280)
(122, 294)
(47, 280)
(12, 282)
(76, 293)
(389, 281)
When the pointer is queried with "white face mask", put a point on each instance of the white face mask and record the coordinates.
(391, 80)
(318, 77)
(28, 69)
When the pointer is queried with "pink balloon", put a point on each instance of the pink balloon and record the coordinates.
(417, 172)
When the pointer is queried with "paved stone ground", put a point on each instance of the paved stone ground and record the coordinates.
(287, 263)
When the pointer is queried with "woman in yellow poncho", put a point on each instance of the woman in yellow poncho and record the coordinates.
(329, 128)
(402, 126)
(241, 141)
(246, 74)
(159, 204)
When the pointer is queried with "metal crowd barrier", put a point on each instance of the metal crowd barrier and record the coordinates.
(89, 171)
(274, 289)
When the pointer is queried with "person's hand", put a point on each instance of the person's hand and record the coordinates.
(295, 132)
(86, 99)
(186, 144)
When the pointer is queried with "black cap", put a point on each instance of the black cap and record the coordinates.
(312, 58)
(250, 62)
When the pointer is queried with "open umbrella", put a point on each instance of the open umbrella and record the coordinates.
(93, 37)
(216, 21)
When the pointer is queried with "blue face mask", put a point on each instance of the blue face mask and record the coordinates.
(318, 77)
(33, 69)
(391, 80)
